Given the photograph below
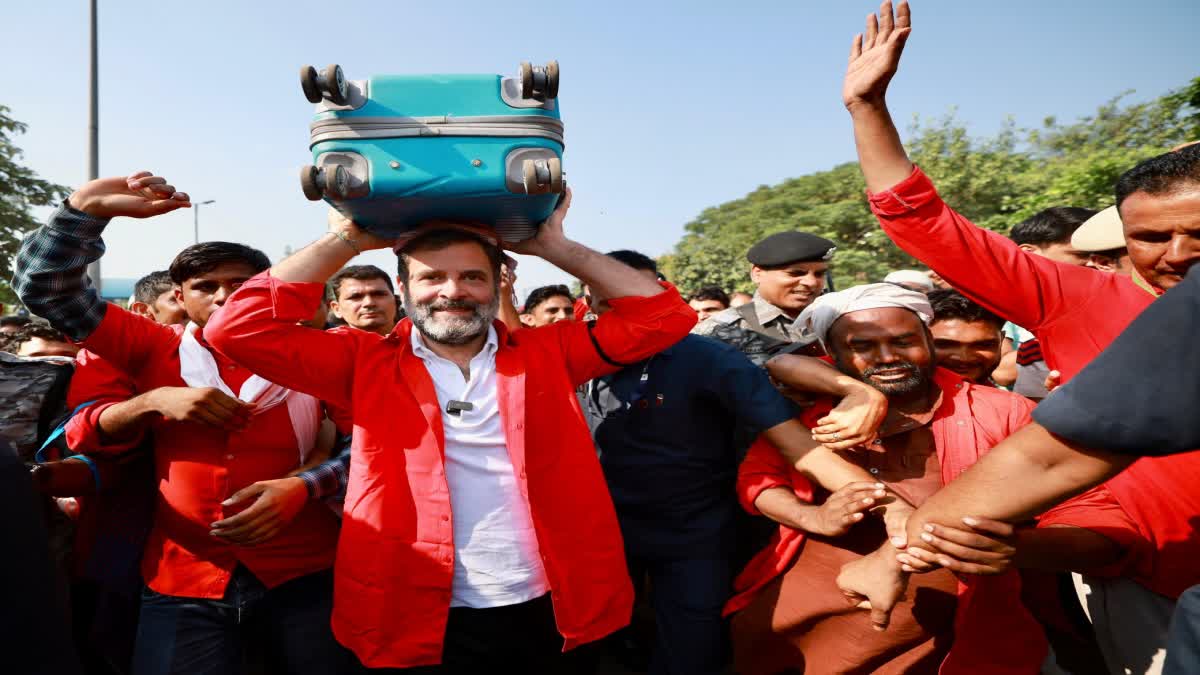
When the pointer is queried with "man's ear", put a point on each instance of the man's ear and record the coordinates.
(526, 320)
(1030, 248)
(178, 291)
(755, 273)
(141, 308)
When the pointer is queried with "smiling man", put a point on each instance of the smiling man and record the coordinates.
(478, 529)
(788, 269)
(966, 337)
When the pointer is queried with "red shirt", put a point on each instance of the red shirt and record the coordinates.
(396, 554)
(1075, 312)
(994, 633)
(198, 467)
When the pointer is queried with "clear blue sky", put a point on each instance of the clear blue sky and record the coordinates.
(670, 107)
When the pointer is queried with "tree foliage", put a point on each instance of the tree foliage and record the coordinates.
(996, 181)
(20, 191)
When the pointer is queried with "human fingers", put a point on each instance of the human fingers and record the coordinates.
(856, 46)
(996, 527)
(903, 17)
(913, 564)
(880, 618)
(886, 22)
(872, 31)
(967, 538)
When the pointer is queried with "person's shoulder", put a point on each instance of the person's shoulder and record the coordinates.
(725, 317)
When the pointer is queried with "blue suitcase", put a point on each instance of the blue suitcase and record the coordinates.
(395, 151)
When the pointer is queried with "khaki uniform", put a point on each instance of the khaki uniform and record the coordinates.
(758, 329)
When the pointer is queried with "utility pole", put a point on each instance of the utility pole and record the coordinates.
(93, 269)
(196, 219)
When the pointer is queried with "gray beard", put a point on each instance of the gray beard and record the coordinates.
(452, 330)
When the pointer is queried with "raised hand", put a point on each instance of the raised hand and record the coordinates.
(875, 55)
(844, 508)
(549, 234)
(358, 238)
(140, 195)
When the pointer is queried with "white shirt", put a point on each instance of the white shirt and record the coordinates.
(496, 561)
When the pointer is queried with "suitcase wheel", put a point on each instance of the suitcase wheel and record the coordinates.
(337, 181)
(308, 82)
(539, 83)
(309, 183)
(542, 175)
(334, 85)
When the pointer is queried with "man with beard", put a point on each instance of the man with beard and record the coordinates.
(788, 609)
(1074, 311)
(475, 487)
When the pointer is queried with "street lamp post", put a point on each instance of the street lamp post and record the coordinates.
(196, 217)
(93, 156)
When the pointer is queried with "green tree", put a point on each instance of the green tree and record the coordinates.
(20, 191)
(996, 181)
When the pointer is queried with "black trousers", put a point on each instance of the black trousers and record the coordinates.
(520, 638)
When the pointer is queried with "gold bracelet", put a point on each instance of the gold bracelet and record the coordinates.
(341, 234)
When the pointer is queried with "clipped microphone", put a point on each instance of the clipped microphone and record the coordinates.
(456, 408)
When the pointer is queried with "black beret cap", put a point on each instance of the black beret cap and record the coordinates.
(785, 248)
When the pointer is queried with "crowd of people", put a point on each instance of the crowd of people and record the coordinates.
(985, 466)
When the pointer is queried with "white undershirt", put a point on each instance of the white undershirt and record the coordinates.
(496, 561)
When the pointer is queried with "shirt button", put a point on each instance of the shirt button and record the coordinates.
(878, 441)
(229, 456)
(445, 518)
(874, 471)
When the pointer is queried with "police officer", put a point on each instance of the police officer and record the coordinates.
(668, 434)
(789, 269)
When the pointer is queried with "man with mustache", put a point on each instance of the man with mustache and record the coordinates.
(477, 530)
(363, 297)
(789, 270)
(1075, 312)
(788, 610)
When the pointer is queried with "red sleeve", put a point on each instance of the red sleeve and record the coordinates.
(126, 340)
(987, 267)
(95, 379)
(764, 468)
(1097, 510)
(634, 329)
(259, 328)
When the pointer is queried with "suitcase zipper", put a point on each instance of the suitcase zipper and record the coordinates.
(443, 125)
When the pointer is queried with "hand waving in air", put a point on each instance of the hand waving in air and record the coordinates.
(875, 55)
(140, 195)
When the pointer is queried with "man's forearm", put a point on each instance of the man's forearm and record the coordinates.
(316, 262)
(781, 505)
(606, 276)
(813, 460)
(812, 375)
(127, 419)
(1023, 476)
(51, 271)
(881, 155)
(1064, 549)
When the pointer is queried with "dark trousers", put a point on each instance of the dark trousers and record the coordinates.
(288, 625)
(687, 596)
(520, 638)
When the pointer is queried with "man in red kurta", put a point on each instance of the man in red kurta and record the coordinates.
(206, 588)
(478, 530)
(1075, 312)
(788, 612)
